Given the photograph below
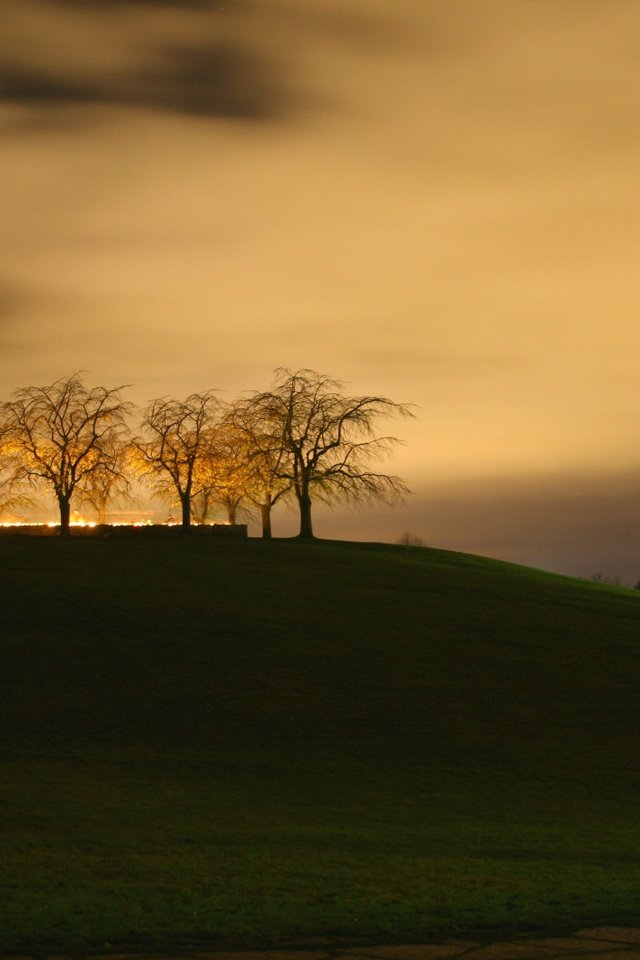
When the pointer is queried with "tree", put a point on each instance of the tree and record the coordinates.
(409, 539)
(263, 460)
(177, 439)
(11, 496)
(59, 435)
(223, 473)
(111, 484)
(323, 444)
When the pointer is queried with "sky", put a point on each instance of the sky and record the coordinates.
(433, 201)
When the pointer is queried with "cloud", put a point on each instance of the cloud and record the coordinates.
(221, 79)
(576, 524)
(30, 85)
(217, 79)
(188, 61)
(237, 59)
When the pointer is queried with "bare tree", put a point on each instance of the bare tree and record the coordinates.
(223, 473)
(11, 496)
(176, 442)
(58, 436)
(202, 504)
(409, 539)
(265, 484)
(324, 443)
(230, 479)
(236, 472)
(108, 484)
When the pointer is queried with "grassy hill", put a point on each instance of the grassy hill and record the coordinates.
(243, 742)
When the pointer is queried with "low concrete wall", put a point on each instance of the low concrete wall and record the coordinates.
(126, 530)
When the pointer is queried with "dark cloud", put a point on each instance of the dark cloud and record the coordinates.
(576, 524)
(237, 58)
(30, 85)
(217, 79)
(205, 64)
(579, 525)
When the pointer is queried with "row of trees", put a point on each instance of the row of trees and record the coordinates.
(303, 439)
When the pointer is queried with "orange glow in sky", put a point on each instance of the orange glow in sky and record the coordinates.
(433, 201)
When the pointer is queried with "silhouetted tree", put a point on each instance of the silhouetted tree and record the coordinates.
(178, 437)
(608, 580)
(409, 539)
(324, 443)
(59, 435)
(262, 458)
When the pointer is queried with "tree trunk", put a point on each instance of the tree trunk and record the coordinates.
(185, 503)
(306, 526)
(65, 515)
(231, 512)
(265, 511)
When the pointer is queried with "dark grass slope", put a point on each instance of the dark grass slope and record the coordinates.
(245, 742)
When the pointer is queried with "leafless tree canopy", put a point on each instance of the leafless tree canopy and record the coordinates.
(409, 539)
(12, 496)
(264, 459)
(324, 443)
(304, 439)
(59, 435)
(177, 441)
(109, 483)
(224, 474)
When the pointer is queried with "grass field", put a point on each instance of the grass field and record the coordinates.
(238, 742)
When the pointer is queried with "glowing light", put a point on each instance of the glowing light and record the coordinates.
(19, 523)
(82, 522)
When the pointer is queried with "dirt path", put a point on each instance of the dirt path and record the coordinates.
(606, 943)
(602, 943)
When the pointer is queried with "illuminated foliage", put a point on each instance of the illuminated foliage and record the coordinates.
(11, 496)
(265, 485)
(109, 483)
(58, 436)
(224, 473)
(176, 446)
(322, 444)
